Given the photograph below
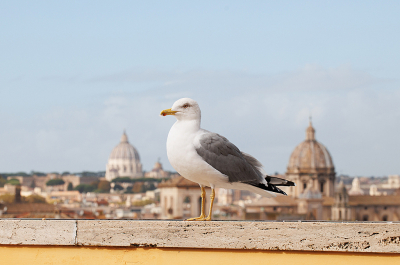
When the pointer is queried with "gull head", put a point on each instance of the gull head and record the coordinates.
(184, 109)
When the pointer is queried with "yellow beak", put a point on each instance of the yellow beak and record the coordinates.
(167, 112)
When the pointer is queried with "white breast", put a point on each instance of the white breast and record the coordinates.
(184, 159)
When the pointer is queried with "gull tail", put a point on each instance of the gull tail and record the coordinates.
(278, 181)
(272, 183)
(270, 188)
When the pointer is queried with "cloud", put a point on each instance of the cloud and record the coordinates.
(309, 78)
(265, 115)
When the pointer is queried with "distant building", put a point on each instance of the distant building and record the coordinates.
(315, 198)
(124, 161)
(393, 182)
(34, 181)
(180, 199)
(356, 188)
(373, 191)
(365, 207)
(341, 208)
(311, 161)
(157, 172)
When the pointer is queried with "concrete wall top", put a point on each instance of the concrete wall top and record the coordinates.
(378, 237)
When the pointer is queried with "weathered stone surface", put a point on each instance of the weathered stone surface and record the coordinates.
(301, 236)
(37, 232)
(379, 237)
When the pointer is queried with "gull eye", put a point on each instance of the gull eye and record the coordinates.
(186, 105)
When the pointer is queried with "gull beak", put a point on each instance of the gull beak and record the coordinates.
(168, 112)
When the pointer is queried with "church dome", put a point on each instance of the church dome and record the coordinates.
(310, 156)
(124, 161)
(124, 150)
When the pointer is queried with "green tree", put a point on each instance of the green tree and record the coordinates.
(151, 186)
(122, 180)
(84, 188)
(70, 187)
(13, 182)
(118, 187)
(55, 182)
(104, 186)
(129, 190)
(37, 173)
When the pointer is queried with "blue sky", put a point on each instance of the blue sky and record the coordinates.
(75, 74)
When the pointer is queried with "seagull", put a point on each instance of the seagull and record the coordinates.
(211, 160)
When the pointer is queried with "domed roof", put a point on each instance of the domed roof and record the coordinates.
(124, 150)
(157, 166)
(310, 155)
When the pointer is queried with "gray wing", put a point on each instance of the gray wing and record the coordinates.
(225, 157)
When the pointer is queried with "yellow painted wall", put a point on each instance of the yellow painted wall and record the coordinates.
(107, 255)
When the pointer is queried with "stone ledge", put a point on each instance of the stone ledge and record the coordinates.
(379, 237)
(37, 232)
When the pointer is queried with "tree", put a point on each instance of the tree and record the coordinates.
(138, 187)
(83, 188)
(34, 198)
(7, 198)
(151, 186)
(13, 182)
(95, 183)
(104, 186)
(2, 181)
(129, 189)
(55, 182)
(118, 187)
(122, 179)
(70, 187)
(38, 173)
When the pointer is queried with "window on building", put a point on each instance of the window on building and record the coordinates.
(321, 187)
(385, 218)
(186, 211)
(365, 217)
(187, 199)
(304, 186)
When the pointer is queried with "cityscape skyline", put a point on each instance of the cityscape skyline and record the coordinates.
(75, 75)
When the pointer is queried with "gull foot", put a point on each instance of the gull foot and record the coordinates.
(200, 218)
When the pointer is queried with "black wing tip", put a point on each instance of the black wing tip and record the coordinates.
(283, 182)
(270, 187)
(290, 183)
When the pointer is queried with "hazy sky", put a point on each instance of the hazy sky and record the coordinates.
(75, 74)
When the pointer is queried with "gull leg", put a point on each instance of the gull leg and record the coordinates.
(211, 205)
(202, 217)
